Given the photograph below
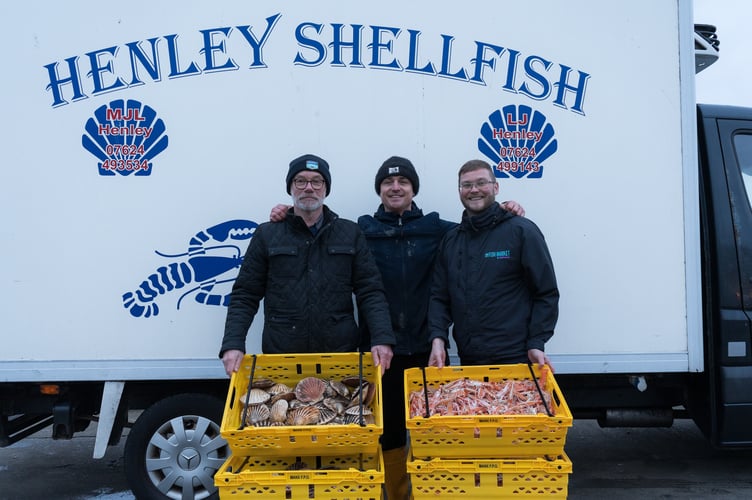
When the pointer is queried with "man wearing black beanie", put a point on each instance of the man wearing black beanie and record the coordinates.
(396, 166)
(404, 242)
(307, 269)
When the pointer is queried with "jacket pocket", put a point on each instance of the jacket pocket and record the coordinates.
(341, 257)
(342, 333)
(283, 262)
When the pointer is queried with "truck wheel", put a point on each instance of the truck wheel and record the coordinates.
(174, 449)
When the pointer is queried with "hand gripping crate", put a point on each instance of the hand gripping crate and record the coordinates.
(484, 436)
(497, 478)
(297, 440)
(350, 477)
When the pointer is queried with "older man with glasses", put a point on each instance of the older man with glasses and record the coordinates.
(307, 269)
(493, 281)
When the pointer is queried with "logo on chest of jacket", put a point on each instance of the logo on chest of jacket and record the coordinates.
(498, 254)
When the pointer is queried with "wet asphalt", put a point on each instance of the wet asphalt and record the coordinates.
(613, 464)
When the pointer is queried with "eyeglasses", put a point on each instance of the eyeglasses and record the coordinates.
(480, 184)
(300, 183)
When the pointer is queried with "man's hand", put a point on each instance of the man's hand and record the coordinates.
(514, 207)
(279, 213)
(231, 359)
(539, 357)
(438, 353)
(382, 356)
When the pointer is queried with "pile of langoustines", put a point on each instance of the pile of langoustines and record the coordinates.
(475, 397)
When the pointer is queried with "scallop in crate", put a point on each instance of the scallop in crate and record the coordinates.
(304, 404)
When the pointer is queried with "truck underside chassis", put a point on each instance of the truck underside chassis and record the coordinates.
(26, 408)
(627, 400)
(174, 446)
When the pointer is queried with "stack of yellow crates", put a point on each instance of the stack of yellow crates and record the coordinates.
(296, 462)
(485, 456)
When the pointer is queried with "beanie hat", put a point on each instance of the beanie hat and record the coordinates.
(311, 163)
(396, 165)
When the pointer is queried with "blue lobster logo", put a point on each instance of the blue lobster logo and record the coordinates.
(210, 257)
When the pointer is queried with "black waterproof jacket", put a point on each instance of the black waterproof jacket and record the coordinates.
(405, 249)
(494, 280)
(307, 283)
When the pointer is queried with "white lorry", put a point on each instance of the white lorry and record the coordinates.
(144, 143)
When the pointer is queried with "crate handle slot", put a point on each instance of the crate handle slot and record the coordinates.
(537, 386)
(425, 390)
(248, 394)
(242, 466)
(360, 392)
(232, 398)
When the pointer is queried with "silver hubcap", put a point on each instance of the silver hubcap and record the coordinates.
(183, 455)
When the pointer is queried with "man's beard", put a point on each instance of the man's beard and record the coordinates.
(308, 204)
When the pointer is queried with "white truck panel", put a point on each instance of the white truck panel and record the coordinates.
(616, 200)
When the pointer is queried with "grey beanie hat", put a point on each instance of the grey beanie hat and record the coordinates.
(311, 163)
(396, 165)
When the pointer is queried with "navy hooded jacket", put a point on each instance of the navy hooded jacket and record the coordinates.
(405, 248)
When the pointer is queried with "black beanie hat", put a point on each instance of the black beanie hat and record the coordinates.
(396, 165)
(311, 163)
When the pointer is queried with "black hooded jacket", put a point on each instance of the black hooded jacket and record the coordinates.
(307, 282)
(405, 247)
(494, 281)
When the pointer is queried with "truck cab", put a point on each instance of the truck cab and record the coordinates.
(724, 410)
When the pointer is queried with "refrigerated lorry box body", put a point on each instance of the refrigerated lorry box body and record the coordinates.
(145, 143)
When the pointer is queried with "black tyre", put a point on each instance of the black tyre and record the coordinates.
(174, 449)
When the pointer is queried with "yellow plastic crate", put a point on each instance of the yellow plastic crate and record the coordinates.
(482, 479)
(346, 477)
(301, 439)
(483, 436)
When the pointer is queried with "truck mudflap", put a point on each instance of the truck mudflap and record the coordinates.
(108, 414)
(734, 410)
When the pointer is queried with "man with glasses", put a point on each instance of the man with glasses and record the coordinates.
(494, 282)
(306, 269)
(404, 241)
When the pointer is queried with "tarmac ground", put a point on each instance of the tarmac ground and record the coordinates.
(614, 464)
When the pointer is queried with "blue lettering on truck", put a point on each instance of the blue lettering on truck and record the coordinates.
(139, 62)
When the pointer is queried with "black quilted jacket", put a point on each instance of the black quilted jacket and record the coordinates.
(307, 283)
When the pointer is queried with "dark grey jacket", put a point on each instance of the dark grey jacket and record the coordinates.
(494, 280)
(307, 283)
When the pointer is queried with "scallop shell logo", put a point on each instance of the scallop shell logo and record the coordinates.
(125, 136)
(517, 140)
